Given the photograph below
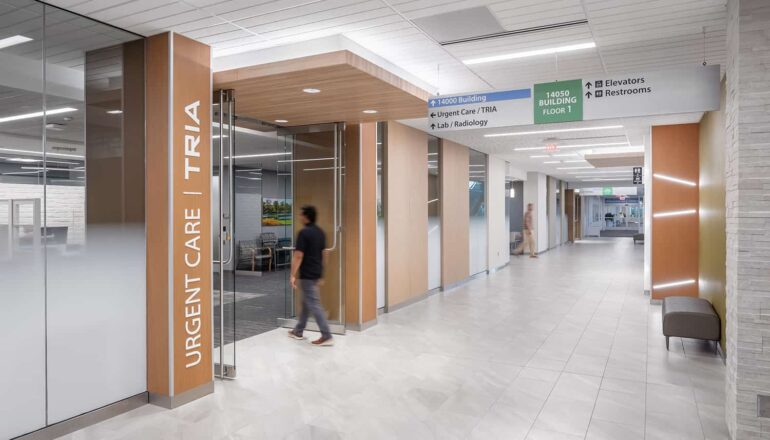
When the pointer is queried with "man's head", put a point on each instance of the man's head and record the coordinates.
(308, 214)
(529, 207)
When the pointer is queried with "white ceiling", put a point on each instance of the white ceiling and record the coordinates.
(630, 35)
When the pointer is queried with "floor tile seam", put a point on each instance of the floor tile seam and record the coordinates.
(593, 314)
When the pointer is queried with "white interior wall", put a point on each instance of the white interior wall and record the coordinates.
(541, 231)
(498, 248)
(647, 179)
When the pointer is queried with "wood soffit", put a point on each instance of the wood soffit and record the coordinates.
(349, 84)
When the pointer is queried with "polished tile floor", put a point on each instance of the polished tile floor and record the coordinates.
(562, 347)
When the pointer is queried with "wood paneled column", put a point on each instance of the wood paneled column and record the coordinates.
(179, 310)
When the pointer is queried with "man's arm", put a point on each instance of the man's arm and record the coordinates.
(296, 261)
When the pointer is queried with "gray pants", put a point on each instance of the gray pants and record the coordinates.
(311, 303)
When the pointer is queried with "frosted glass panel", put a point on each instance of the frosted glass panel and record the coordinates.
(95, 235)
(22, 290)
(434, 215)
(477, 188)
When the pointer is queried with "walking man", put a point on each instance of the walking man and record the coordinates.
(529, 236)
(308, 262)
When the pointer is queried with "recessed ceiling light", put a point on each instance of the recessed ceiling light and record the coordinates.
(370, 112)
(55, 111)
(281, 121)
(574, 168)
(574, 161)
(311, 90)
(12, 41)
(565, 155)
(552, 161)
(115, 112)
(558, 130)
(530, 53)
(572, 146)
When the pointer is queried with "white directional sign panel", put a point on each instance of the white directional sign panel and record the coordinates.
(682, 90)
(480, 110)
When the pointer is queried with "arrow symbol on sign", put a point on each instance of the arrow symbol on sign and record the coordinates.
(432, 126)
(432, 115)
(588, 95)
(432, 102)
(588, 85)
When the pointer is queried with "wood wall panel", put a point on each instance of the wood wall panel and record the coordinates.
(712, 221)
(369, 222)
(675, 152)
(351, 211)
(158, 338)
(406, 216)
(455, 213)
(569, 210)
(192, 193)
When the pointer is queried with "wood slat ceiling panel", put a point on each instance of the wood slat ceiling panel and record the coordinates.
(348, 86)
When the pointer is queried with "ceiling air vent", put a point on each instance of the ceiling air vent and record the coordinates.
(477, 24)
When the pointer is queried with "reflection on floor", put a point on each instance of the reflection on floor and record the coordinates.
(619, 232)
(255, 301)
(561, 347)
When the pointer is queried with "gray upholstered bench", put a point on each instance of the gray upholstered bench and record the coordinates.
(688, 317)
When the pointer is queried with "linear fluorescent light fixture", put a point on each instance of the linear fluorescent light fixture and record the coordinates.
(40, 153)
(674, 179)
(556, 130)
(13, 41)
(530, 53)
(604, 172)
(539, 156)
(249, 156)
(574, 168)
(561, 147)
(552, 161)
(54, 111)
(565, 155)
(602, 180)
(674, 284)
(674, 213)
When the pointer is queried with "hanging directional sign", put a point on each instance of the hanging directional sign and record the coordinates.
(684, 90)
(638, 176)
(480, 110)
(607, 96)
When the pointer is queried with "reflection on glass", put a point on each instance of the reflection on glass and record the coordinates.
(380, 218)
(22, 271)
(94, 214)
(477, 189)
(434, 215)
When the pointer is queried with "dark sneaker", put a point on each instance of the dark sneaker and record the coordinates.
(295, 335)
(324, 341)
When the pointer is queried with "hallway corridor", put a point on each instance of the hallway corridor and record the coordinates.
(562, 347)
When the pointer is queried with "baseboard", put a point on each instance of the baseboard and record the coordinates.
(171, 402)
(87, 419)
(413, 300)
(361, 327)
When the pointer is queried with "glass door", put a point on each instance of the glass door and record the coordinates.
(262, 175)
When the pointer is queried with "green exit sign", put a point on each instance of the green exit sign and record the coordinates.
(607, 191)
(560, 101)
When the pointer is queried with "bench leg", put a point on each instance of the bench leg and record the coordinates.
(667, 343)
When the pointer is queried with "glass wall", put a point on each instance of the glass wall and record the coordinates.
(477, 188)
(380, 217)
(72, 255)
(434, 214)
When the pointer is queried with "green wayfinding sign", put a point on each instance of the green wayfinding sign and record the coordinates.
(560, 101)
(607, 191)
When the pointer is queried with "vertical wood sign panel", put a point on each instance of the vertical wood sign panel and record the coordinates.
(179, 246)
(192, 213)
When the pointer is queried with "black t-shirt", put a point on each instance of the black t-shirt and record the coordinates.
(311, 241)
